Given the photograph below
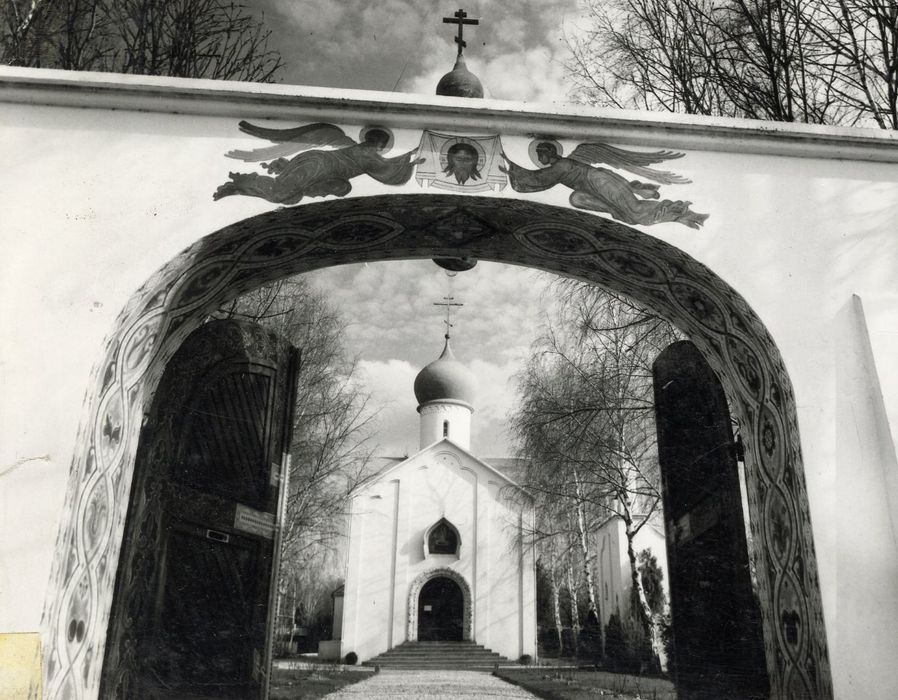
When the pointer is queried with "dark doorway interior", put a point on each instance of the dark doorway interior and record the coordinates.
(440, 611)
(718, 645)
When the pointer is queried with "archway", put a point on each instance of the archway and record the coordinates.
(276, 244)
(440, 611)
(455, 621)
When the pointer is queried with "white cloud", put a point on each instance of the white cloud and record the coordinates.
(391, 383)
(494, 401)
(517, 48)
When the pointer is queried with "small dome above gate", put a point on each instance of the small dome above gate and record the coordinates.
(460, 82)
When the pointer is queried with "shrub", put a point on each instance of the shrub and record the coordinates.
(590, 640)
(615, 649)
(627, 645)
(525, 660)
(351, 658)
(547, 642)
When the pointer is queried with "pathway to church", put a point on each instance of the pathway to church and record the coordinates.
(432, 685)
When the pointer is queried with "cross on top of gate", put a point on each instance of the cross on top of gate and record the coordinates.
(459, 18)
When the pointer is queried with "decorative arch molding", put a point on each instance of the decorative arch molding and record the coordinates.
(270, 246)
(449, 457)
(414, 590)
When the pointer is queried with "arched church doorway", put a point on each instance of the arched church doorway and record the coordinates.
(276, 244)
(192, 599)
(440, 611)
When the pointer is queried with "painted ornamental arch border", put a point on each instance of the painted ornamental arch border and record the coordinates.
(289, 241)
(414, 590)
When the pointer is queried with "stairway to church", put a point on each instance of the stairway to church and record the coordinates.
(460, 656)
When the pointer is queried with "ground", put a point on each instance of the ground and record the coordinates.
(581, 684)
(313, 681)
(430, 685)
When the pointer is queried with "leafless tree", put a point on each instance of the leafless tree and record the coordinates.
(217, 39)
(585, 421)
(815, 61)
(860, 41)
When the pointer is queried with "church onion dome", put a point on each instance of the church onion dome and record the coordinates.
(460, 82)
(445, 379)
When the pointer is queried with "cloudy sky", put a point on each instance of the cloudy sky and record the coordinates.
(518, 50)
(395, 329)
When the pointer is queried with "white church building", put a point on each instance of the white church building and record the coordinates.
(437, 547)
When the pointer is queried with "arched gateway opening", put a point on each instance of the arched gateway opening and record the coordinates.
(236, 259)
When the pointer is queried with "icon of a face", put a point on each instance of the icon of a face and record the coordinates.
(546, 153)
(461, 161)
(377, 138)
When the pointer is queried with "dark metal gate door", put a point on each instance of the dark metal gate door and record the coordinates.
(191, 609)
(718, 645)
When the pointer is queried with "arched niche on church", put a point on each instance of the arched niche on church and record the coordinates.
(442, 539)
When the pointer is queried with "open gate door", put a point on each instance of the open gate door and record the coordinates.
(718, 644)
(193, 606)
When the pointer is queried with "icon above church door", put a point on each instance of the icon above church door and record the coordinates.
(442, 538)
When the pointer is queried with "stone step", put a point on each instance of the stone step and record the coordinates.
(438, 655)
(450, 652)
(453, 659)
(444, 652)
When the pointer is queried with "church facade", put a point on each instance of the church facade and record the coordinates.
(437, 542)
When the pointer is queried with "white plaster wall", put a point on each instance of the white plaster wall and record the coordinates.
(609, 580)
(431, 425)
(93, 201)
(442, 481)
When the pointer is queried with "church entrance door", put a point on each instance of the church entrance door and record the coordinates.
(193, 599)
(440, 611)
(718, 648)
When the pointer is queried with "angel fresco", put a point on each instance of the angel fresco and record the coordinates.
(314, 172)
(603, 190)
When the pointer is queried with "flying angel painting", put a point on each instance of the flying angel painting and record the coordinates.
(602, 190)
(312, 171)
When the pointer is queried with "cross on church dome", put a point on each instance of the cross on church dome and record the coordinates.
(448, 302)
(460, 18)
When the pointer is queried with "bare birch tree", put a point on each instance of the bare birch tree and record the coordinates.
(585, 420)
